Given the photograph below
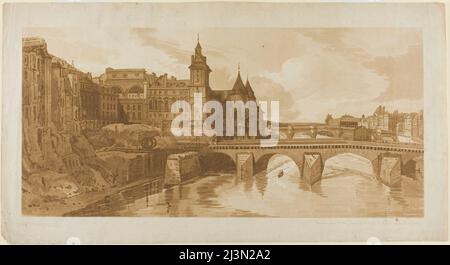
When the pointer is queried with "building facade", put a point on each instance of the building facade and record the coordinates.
(396, 124)
(146, 98)
(110, 111)
(51, 107)
(55, 91)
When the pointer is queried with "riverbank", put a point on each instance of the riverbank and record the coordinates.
(77, 202)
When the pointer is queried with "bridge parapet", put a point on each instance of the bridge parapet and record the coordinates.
(407, 154)
(322, 145)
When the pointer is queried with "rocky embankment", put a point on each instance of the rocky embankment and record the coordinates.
(59, 167)
(64, 171)
(118, 136)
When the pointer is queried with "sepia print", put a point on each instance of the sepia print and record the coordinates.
(223, 122)
(342, 106)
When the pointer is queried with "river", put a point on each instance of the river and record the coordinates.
(347, 189)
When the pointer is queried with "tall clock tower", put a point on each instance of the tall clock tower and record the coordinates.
(199, 74)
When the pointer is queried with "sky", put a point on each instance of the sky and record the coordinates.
(311, 71)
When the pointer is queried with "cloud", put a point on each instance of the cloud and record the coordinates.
(221, 79)
(382, 41)
(84, 53)
(267, 90)
(321, 79)
(404, 73)
(147, 37)
(366, 43)
(323, 76)
(393, 53)
(93, 51)
(312, 71)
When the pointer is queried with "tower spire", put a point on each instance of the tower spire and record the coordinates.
(198, 48)
(199, 68)
(239, 67)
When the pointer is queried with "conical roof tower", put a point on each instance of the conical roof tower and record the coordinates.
(239, 87)
(249, 91)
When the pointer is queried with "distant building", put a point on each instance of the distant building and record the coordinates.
(362, 134)
(409, 125)
(147, 98)
(36, 85)
(379, 121)
(124, 92)
(110, 111)
(382, 126)
(66, 102)
(404, 127)
(417, 125)
(90, 94)
(163, 92)
(346, 124)
(348, 121)
(345, 121)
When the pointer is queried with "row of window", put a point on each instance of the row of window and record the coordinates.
(159, 105)
(31, 60)
(176, 84)
(108, 115)
(124, 75)
(134, 115)
(162, 105)
(109, 98)
(159, 115)
(168, 92)
(137, 115)
(88, 97)
(133, 107)
(109, 106)
(31, 76)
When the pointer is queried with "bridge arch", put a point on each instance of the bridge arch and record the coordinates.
(413, 165)
(368, 154)
(262, 161)
(348, 163)
(217, 162)
(326, 133)
(302, 135)
(374, 152)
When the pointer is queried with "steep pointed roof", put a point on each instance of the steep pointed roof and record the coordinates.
(239, 86)
(198, 48)
(249, 90)
(198, 61)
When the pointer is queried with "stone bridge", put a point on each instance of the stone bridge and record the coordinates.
(287, 131)
(389, 161)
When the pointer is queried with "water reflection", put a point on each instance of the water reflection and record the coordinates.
(343, 192)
